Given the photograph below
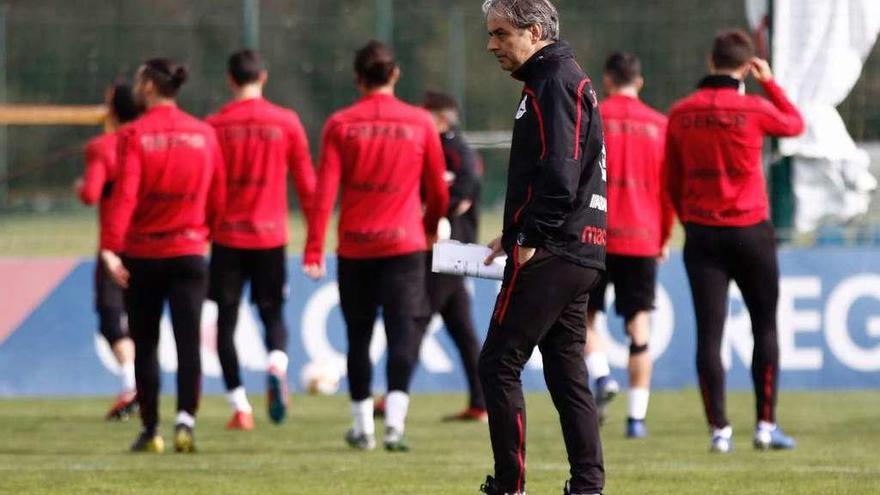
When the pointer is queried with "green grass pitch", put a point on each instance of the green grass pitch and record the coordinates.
(64, 446)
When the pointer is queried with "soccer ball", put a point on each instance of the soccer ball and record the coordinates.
(320, 377)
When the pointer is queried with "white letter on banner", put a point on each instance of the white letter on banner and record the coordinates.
(836, 315)
(662, 326)
(737, 331)
(314, 327)
(248, 341)
(431, 354)
(793, 321)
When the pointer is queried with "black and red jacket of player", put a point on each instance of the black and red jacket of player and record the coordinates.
(260, 143)
(640, 215)
(714, 144)
(171, 186)
(384, 155)
(557, 162)
(100, 174)
(465, 164)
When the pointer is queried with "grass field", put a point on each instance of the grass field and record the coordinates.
(63, 446)
(75, 233)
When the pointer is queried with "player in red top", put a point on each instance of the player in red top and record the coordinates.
(167, 199)
(95, 187)
(382, 153)
(715, 179)
(260, 142)
(639, 222)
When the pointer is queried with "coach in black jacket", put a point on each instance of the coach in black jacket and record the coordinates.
(554, 235)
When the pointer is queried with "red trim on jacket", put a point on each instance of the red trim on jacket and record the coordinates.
(580, 112)
(540, 116)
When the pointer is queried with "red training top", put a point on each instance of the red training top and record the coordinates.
(639, 213)
(713, 151)
(260, 141)
(170, 190)
(382, 152)
(100, 174)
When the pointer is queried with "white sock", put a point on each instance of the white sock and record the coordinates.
(278, 360)
(238, 400)
(638, 402)
(185, 418)
(396, 407)
(597, 365)
(362, 417)
(765, 426)
(128, 382)
(726, 432)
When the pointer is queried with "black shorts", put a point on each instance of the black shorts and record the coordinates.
(108, 295)
(634, 279)
(265, 269)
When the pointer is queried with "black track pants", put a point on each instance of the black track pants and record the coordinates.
(182, 282)
(713, 257)
(396, 285)
(266, 270)
(542, 303)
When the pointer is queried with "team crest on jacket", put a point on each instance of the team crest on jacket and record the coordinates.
(522, 107)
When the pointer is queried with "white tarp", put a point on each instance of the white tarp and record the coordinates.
(819, 48)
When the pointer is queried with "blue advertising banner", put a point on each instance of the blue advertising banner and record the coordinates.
(829, 331)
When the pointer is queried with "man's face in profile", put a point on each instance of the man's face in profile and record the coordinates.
(510, 45)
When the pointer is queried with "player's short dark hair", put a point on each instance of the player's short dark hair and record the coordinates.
(732, 49)
(437, 101)
(122, 103)
(166, 74)
(374, 64)
(623, 68)
(245, 66)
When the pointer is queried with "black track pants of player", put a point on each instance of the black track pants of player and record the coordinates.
(230, 269)
(450, 298)
(541, 303)
(397, 285)
(713, 257)
(181, 281)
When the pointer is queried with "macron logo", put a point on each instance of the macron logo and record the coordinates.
(599, 203)
(522, 107)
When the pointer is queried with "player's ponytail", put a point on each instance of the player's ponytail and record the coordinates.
(179, 76)
(167, 75)
(374, 64)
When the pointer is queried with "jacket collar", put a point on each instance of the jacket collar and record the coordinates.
(532, 67)
(719, 82)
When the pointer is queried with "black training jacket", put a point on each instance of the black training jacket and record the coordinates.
(556, 177)
(464, 162)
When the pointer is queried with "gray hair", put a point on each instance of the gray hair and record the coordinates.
(523, 14)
